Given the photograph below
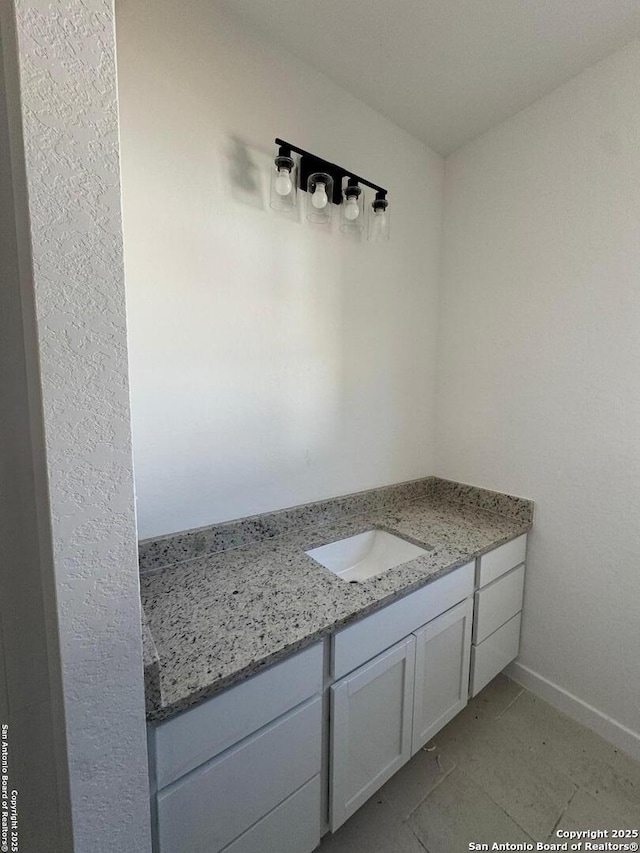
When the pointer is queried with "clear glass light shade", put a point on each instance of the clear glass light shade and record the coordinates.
(379, 223)
(353, 211)
(283, 184)
(319, 195)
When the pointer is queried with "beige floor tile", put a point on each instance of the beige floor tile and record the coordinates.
(457, 812)
(456, 738)
(616, 788)
(496, 697)
(478, 718)
(610, 776)
(530, 791)
(584, 812)
(373, 829)
(406, 790)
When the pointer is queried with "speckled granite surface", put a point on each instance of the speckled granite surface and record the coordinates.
(510, 506)
(219, 618)
(151, 661)
(162, 551)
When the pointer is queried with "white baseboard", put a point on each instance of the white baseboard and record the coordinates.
(620, 736)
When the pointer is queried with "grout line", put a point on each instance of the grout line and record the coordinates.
(503, 809)
(426, 796)
(564, 811)
(515, 699)
(506, 811)
(417, 837)
(477, 782)
(478, 785)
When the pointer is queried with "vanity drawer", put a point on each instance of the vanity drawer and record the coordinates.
(215, 804)
(292, 827)
(198, 734)
(367, 638)
(497, 603)
(500, 560)
(492, 655)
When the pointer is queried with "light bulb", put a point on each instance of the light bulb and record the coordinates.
(319, 198)
(283, 185)
(351, 209)
(380, 219)
(378, 223)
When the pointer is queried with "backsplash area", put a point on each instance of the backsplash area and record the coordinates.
(158, 552)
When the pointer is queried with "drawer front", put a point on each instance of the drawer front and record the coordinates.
(497, 603)
(501, 559)
(358, 643)
(199, 734)
(292, 827)
(491, 656)
(214, 804)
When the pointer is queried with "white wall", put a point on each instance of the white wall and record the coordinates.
(539, 381)
(272, 363)
(72, 295)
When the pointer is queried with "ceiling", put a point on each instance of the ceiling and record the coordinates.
(445, 70)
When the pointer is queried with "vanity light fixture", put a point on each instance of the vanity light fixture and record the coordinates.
(283, 181)
(324, 183)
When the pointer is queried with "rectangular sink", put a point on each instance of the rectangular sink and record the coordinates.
(366, 555)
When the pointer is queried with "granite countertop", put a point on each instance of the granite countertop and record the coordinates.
(251, 595)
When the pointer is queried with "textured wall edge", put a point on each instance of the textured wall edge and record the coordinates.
(70, 126)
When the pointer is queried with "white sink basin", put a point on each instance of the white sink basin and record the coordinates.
(365, 555)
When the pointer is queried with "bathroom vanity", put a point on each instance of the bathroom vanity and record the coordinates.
(291, 745)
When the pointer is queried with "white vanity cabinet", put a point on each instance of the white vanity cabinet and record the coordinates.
(240, 773)
(497, 609)
(385, 709)
(272, 762)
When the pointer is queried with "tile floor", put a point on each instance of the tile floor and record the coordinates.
(508, 768)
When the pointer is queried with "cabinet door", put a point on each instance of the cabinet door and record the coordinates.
(443, 649)
(371, 714)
